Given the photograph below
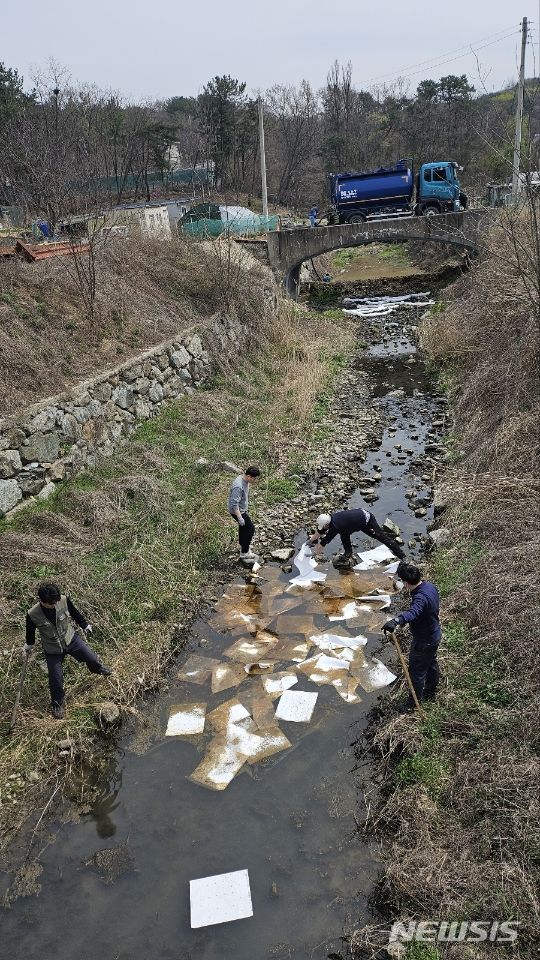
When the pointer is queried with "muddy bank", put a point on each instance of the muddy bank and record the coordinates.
(294, 823)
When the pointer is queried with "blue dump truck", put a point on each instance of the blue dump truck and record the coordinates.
(392, 191)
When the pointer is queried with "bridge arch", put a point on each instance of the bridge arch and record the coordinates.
(289, 249)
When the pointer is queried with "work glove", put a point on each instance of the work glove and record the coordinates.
(27, 649)
(241, 521)
(88, 628)
(390, 626)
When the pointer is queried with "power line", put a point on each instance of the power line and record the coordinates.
(424, 63)
(437, 62)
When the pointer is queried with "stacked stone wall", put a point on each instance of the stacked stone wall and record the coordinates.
(66, 434)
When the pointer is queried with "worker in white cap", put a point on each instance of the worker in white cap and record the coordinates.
(343, 523)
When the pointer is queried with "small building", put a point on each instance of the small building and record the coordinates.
(500, 194)
(156, 219)
(177, 208)
(150, 220)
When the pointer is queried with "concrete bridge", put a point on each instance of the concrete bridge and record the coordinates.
(288, 249)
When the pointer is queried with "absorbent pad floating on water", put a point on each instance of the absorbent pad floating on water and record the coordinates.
(335, 641)
(279, 683)
(296, 705)
(383, 598)
(186, 719)
(220, 899)
(197, 669)
(348, 612)
(219, 766)
(377, 555)
(373, 675)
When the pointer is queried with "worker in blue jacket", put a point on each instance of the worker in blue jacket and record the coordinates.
(423, 619)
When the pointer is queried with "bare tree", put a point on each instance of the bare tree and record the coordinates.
(294, 124)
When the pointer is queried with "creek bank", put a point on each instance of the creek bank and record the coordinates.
(139, 541)
(459, 821)
(64, 435)
(303, 868)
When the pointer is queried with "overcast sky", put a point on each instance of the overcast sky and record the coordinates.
(157, 50)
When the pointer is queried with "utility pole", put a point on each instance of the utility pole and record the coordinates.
(263, 159)
(56, 92)
(519, 115)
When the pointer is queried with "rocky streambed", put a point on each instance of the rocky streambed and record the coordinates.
(383, 414)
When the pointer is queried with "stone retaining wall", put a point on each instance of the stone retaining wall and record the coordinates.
(63, 435)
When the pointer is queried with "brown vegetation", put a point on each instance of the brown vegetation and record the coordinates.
(147, 291)
(461, 817)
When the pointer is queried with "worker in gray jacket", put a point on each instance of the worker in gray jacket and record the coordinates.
(53, 616)
(238, 509)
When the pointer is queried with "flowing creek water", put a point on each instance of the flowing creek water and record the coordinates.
(115, 885)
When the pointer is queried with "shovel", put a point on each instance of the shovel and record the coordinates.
(19, 691)
(406, 672)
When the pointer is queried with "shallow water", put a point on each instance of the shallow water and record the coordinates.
(290, 820)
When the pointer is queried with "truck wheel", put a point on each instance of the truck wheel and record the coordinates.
(431, 210)
(356, 218)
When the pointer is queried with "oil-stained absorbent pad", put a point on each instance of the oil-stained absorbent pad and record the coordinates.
(296, 705)
(305, 564)
(279, 683)
(334, 641)
(349, 611)
(186, 719)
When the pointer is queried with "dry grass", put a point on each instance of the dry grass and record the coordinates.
(147, 291)
(490, 332)
(460, 822)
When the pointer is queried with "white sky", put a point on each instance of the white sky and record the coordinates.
(158, 50)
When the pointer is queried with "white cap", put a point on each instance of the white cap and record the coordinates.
(323, 521)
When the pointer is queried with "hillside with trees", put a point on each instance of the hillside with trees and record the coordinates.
(59, 127)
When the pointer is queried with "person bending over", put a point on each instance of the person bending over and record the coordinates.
(343, 523)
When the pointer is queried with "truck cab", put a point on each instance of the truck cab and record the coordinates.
(438, 189)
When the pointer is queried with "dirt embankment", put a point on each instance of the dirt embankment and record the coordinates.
(459, 821)
(146, 292)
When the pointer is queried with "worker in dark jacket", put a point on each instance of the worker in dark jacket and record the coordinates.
(343, 523)
(53, 617)
(423, 619)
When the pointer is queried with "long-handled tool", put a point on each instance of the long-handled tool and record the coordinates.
(19, 691)
(406, 672)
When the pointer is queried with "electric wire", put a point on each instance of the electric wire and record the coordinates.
(434, 64)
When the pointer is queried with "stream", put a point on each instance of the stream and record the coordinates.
(115, 885)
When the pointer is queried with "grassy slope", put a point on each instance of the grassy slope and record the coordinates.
(136, 542)
(461, 815)
(147, 292)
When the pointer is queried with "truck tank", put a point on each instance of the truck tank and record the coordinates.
(385, 187)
